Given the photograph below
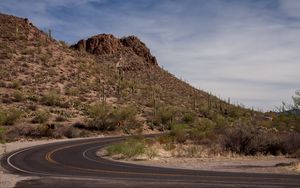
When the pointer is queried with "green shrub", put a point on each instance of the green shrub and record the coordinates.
(165, 115)
(41, 116)
(189, 117)
(124, 113)
(18, 96)
(10, 116)
(99, 114)
(104, 118)
(32, 97)
(3, 117)
(128, 149)
(179, 131)
(51, 99)
(2, 134)
(13, 115)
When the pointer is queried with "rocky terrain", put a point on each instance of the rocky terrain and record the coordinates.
(105, 84)
(48, 89)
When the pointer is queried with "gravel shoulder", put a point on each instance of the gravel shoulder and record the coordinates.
(251, 164)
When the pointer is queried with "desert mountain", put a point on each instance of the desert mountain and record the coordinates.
(102, 83)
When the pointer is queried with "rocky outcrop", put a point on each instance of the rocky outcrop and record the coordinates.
(139, 48)
(107, 44)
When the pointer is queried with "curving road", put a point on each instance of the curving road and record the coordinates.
(75, 164)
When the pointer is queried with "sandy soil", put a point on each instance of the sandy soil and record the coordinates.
(8, 180)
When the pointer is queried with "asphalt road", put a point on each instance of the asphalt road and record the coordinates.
(75, 164)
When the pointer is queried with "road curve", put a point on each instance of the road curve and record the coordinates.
(76, 160)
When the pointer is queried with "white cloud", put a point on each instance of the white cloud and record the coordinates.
(290, 7)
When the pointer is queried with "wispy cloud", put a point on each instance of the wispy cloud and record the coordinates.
(245, 50)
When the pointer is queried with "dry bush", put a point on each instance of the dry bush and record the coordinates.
(251, 140)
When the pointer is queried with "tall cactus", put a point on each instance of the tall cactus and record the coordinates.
(50, 34)
(17, 29)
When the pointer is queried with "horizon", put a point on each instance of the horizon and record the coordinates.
(246, 51)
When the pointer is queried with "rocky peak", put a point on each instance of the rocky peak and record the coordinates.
(139, 48)
(102, 44)
(107, 44)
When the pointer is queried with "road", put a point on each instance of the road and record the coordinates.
(75, 164)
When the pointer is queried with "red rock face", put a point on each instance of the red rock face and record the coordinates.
(139, 48)
(107, 44)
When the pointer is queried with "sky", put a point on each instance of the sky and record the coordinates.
(245, 50)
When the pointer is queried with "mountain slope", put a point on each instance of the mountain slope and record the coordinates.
(50, 89)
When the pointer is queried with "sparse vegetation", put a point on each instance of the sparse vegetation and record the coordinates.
(40, 116)
(136, 95)
(18, 96)
(51, 99)
(128, 149)
(10, 116)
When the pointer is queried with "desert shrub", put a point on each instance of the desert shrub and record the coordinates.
(126, 115)
(251, 140)
(99, 114)
(16, 84)
(3, 117)
(291, 142)
(79, 125)
(128, 149)
(189, 117)
(164, 139)
(192, 151)
(165, 116)
(221, 123)
(71, 132)
(13, 115)
(2, 134)
(33, 131)
(18, 96)
(40, 116)
(237, 139)
(72, 91)
(104, 118)
(32, 97)
(179, 132)
(10, 116)
(41, 131)
(51, 99)
(11, 134)
(61, 118)
(151, 152)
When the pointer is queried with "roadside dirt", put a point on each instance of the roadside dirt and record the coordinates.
(269, 164)
(234, 163)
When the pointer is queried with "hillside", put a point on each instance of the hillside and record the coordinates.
(103, 83)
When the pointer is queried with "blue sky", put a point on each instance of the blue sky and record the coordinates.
(246, 50)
